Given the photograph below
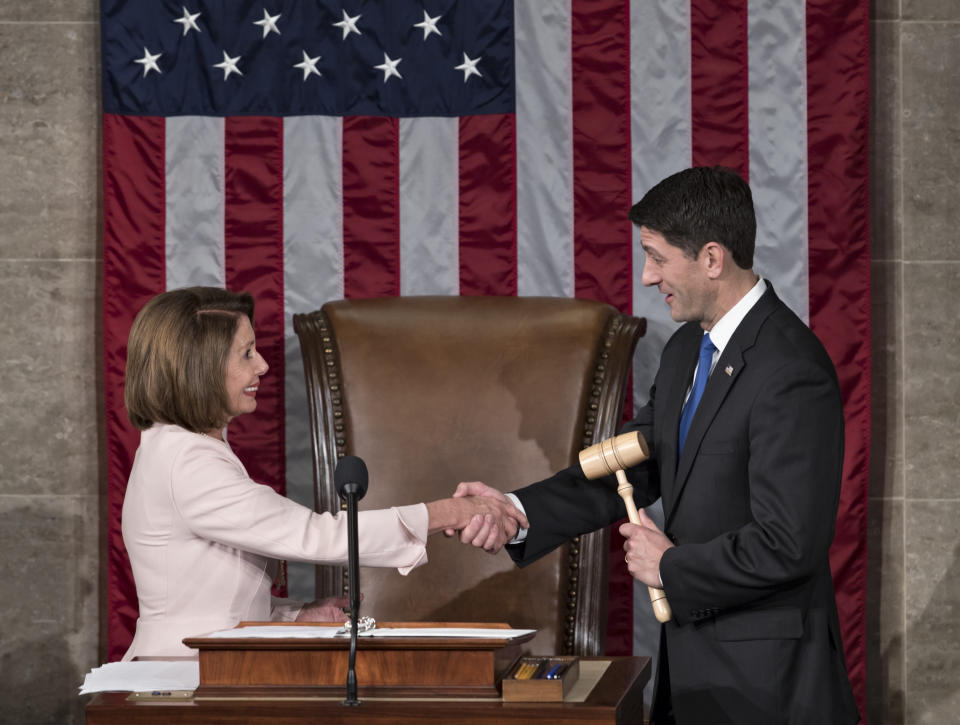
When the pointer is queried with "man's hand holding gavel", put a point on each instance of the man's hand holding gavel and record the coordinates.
(644, 546)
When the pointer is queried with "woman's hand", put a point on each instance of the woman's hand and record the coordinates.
(324, 610)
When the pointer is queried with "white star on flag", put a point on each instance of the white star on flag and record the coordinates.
(308, 65)
(469, 67)
(149, 61)
(188, 21)
(389, 67)
(348, 24)
(229, 65)
(269, 23)
(429, 25)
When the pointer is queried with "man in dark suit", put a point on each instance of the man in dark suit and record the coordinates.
(745, 428)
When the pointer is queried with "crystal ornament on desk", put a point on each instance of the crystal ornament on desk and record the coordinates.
(364, 624)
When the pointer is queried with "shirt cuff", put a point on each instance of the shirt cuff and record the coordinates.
(521, 533)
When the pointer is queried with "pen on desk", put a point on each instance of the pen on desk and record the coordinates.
(557, 671)
(540, 670)
(525, 671)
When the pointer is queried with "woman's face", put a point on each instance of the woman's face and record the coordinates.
(244, 367)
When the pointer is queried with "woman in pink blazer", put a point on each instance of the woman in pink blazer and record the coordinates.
(203, 537)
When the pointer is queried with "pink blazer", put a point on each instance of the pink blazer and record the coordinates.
(203, 539)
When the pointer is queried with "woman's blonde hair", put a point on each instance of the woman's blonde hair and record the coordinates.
(177, 357)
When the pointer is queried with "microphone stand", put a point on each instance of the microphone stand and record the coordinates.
(353, 580)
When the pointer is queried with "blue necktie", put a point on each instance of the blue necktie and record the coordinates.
(699, 383)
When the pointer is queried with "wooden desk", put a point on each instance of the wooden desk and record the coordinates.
(616, 698)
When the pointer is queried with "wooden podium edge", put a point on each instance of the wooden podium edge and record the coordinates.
(401, 666)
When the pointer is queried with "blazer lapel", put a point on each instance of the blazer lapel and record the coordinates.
(674, 394)
(729, 367)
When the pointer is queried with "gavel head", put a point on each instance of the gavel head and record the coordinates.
(614, 454)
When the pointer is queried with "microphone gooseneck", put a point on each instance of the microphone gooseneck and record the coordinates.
(350, 479)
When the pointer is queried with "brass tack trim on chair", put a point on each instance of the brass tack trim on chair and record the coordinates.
(589, 426)
(570, 621)
(330, 362)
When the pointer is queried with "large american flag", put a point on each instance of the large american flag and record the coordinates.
(310, 150)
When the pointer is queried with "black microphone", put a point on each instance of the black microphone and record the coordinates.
(350, 478)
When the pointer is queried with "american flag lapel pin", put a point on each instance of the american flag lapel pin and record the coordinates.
(728, 370)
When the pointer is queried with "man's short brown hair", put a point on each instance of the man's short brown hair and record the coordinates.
(177, 357)
(699, 205)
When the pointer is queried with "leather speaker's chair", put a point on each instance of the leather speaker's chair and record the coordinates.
(431, 391)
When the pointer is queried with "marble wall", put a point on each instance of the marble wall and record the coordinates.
(51, 465)
(914, 543)
(49, 282)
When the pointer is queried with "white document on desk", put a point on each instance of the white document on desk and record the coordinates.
(286, 632)
(142, 676)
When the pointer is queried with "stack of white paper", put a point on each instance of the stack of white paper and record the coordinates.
(142, 677)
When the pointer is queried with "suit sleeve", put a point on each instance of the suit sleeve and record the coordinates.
(795, 432)
(216, 501)
(568, 504)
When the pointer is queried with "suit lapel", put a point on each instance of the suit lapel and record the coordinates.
(673, 405)
(729, 367)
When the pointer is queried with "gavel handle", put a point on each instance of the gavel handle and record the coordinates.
(658, 598)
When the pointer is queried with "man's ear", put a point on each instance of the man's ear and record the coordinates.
(713, 256)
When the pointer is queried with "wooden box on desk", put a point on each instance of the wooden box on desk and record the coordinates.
(541, 689)
(385, 666)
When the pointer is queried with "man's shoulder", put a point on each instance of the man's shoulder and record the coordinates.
(783, 338)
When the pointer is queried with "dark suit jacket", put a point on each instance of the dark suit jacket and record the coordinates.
(751, 506)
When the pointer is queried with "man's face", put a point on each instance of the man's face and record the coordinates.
(682, 280)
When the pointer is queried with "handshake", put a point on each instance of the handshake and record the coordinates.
(480, 515)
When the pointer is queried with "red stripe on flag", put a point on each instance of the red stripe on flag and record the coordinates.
(253, 262)
(488, 205)
(371, 207)
(719, 84)
(133, 272)
(837, 111)
(602, 239)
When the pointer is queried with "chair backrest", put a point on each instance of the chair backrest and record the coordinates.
(431, 391)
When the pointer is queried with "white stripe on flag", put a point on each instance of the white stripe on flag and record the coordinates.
(429, 201)
(544, 148)
(778, 146)
(194, 201)
(312, 275)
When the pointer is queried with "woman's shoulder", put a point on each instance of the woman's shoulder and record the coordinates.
(192, 460)
(174, 441)
(169, 434)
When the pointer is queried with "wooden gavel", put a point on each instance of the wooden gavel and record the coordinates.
(613, 455)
